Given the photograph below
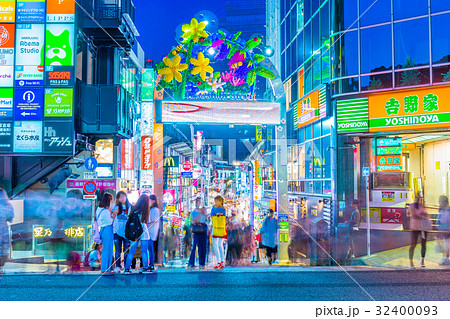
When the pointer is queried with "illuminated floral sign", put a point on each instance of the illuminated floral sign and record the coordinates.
(211, 65)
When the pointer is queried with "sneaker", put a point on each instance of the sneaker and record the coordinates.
(127, 272)
(107, 273)
(444, 262)
(202, 267)
(146, 271)
(219, 266)
(117, 270)
(222, 265)
(152, 268)
(189, 267)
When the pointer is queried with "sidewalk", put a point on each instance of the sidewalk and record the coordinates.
(399, 258)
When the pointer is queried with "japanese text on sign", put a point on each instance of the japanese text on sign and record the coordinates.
(146, 152)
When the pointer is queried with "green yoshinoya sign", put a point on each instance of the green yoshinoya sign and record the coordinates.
(352, 115)
(410, 120)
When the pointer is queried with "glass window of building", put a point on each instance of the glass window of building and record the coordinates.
(410, 8)
(309, 157)
(317, 187)
(316, 41)
(350, 15)
(317, 161)
(300, 58)
(439, 5)
(307, 9)
(349, 49)
(325, 56)
(283, 33)
(324, 23)
(300, 16)
(376, 81)
(326, 187)
(374, 12)
(349, 85)
(326, 155)
(411, 43)
(317, 129)
(317, 74)
(294, 21)
(376, 49)
(440, 38)
(308, 132)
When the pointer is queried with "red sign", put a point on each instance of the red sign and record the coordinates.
(127, 154)
(101, 184)
(59, 75)
(176, 221)
(146, 152)
(187, 166)
(90, 187)
(391, 215)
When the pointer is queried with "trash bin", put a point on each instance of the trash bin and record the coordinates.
(320, 247)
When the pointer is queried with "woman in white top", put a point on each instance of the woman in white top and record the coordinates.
(105, 219)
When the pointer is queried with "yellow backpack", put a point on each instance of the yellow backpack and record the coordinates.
(219, 226)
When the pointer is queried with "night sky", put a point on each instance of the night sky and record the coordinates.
(156, 21)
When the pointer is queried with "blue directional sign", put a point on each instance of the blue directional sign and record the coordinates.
(186, 174)
(90, 163)
(366, 171)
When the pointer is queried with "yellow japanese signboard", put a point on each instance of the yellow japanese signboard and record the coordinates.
(410, 109)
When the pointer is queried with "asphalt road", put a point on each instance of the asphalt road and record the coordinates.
(233, 284)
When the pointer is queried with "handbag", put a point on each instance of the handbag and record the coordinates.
(198, 229)
(219, 226)
(425, 225)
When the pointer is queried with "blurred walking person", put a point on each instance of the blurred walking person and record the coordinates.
(443, 225)
(353, 228)
(269, 236)
(151, 231)
(121, 243)
(219, 232)
(105, 219)
(420, 224)
(6, 216)
(142, 208)
(200, 231)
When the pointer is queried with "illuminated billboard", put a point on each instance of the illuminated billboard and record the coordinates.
(59, 44)
(28, 136)
(28, 104)
(29, 55)
(221, 112)
(6, 55)
(7, 10)
(58, 102)
(31, 11)
(6, 103)
(61, 11)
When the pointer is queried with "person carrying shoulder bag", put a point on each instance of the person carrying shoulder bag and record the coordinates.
(420, 225)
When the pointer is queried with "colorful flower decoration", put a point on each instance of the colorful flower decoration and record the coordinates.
(237, 81)
(194, 31)
(201, 66)
(236, 60)
(227, 76)
(216, 84)
(173, 69)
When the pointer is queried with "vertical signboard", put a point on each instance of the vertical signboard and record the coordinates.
(127, 151)
(29, 55)
(158, 158)
(7, 11)
(258, 176)
(146, 152)
(148, 84)
(61, 11)
(59, 44)
(258, 133)
(389, 154)
(6, 136)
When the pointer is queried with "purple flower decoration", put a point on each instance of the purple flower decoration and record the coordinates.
(223, 52)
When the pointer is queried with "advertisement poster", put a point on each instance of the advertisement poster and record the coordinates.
(28, 104)
(58, 102)
(7, 10)
(127, 151)
(59, 76)
(58, 137)
(28, 136)
(59, 44)
(146, 152)
(6, 103)
(104, 150)
(31, 11)
(169, 197)
(6, 137)
(29, 55)
(61, 11)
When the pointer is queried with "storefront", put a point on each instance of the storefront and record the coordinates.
(404, 138)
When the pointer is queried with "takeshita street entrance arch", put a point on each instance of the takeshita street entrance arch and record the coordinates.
(214, 77)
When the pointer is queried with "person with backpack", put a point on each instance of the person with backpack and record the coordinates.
(121, 243)
(93, 257)
(443, 225)
(105, 219)
(269, 236)
(200, 230)
(219, 233)
(137, 232)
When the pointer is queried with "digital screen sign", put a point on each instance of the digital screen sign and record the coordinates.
(59, 76)
(221, 112)
(29, 55)
(27, 136)
(58, 102)
(31, 11)
(6, 55)
(28, 104)
(6, 103)
(7, 11)
(58, 137)
(6, 136)
(59, 44)
(60, 11)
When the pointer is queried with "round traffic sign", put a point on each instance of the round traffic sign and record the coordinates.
(90, 163)
(90, 187)
(187, 166)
